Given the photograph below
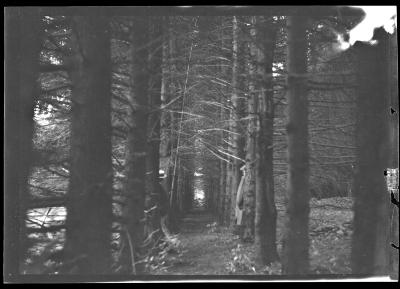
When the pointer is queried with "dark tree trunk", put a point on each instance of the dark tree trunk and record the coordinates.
(174, 213)
(265, 222)
(222, 183)
(181, 187)
(89, 209)
(296, 243)
(236, 115)
(394, 99)
(176, 127)
(216, 191)
(252, 104)
(23, 39)
(173, 91)
(394, 140)
(153, 125)
(223, 200)
(137, 141)
(228, 184)
(210, 185)
(370, 245)
(188, 196)
(168, 69)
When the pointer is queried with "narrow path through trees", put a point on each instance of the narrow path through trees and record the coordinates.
(208, 249)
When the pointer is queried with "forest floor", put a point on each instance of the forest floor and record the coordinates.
(208, 249)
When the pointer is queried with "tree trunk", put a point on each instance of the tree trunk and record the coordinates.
(153, 125)
(228, 183)
(250, 189)
(265, 222)
(137, 142)
(216, 190)
(177, 126)
(236, 115)
(223, 164)
(181, 188)
(394, 140)
(168, 68)
(89, 209)
(23, 39)
(370, 244)
(296, 243)
(174, 213)
(188, 196)
(222, 182)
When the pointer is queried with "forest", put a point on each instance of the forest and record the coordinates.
(194, 142)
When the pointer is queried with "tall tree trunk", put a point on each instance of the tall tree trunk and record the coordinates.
(137, 141)
(89, 218)
(153, 125)
(23, 36)
(168, 68)
(228, 182)
(250, 189)
(222, 180)
(370, 245)
(177, 126)
(296, 243)
(265, 222)
(222, 164)
(394, 140)
(188, 196)
(236, 115)
(181, 187)
(216, 190)
(210, 187)
(167, 91)
(174, 213)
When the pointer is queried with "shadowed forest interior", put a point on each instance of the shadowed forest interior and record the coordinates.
(201, 142)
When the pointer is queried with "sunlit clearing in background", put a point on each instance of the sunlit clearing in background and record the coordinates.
(199, 194)
(55, 60)
(46, 217)
(375, 17)
(199, 198)
(277, 68)
(197, 174)
(42, 117)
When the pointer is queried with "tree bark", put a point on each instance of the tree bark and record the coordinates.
(296, 243)
(167, 119)
(136, 150)
(222, 182)
(224, 200)
(174, 212)
(394, 140)
(89, 218)
(153, 124)
(176, 126)
(188, 196)
(250, 189)
(265, 222)
(216, 190)
(23, 39)
(236, 115)
(370, 244)
(228, 184)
